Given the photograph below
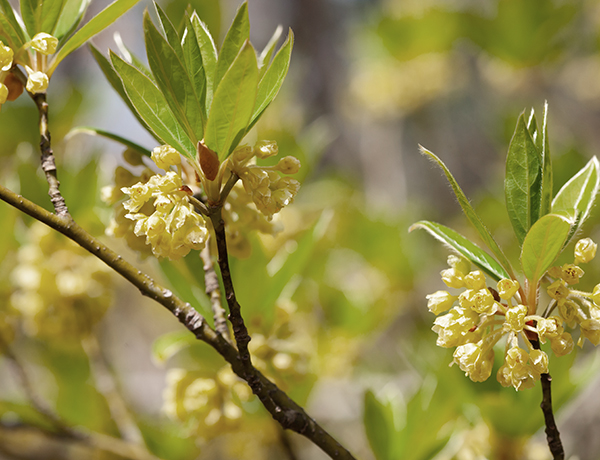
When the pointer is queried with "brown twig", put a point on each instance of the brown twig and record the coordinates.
(282, 408)
(211, 281)
(552, 433)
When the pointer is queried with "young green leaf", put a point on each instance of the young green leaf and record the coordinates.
(172, 78)
(543, 244)
(463, 246)
(152, 107)
(379, 426)
(115, 81)
(576, 197)
(170, 32)
(72, 14)
(195, 68)
(523, 182)
(470, 213)
(209, 57)
(11, 32)
(130, 56)
(237, 35)
(98, 23)
(273, 78)
(546, 167)
(233, 103)
(267, 53)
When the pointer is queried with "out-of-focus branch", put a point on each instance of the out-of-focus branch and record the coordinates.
(107, 386)
(211, 281)
(283, 409)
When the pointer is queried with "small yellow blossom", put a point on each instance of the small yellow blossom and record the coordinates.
(6, 57)
(37, 82)
(558, 290)
(590, 329)
(585, 250)
(562, 345)
(455, 327)
(44, 43)
(440, 301)
(507, 288)
(3, 93)
(165, 156)
(475, 280)
(515, 318)
(474, 361)
(453, 278)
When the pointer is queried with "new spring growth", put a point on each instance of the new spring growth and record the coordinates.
(479, 316)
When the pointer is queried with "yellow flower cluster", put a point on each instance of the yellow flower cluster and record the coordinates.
(59, 289)
(479, 316)
(174, 228)
(270, 191)
(208, 404)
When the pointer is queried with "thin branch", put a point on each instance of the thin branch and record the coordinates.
(107, 386)
(211, 281)
(282, 408)
(47, 159)
(552, 434)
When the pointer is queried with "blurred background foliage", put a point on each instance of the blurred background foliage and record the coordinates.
(336, 302)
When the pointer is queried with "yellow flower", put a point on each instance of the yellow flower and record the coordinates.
(6, 57)
(507, 288)
(440, 301)
(37, 82)
(165, 156)
(3, 93)
(44, 43)
(474, 361)
(585, 250)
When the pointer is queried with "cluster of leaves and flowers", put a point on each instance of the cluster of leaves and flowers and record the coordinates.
(40, 37)
(479, 316)
(200, 103)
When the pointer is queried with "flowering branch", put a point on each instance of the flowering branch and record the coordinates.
(283, 409)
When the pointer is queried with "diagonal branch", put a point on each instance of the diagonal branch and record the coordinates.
(282, 408)
(211, 281)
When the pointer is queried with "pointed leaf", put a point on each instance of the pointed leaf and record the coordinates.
(11, 31)
(115, 81)
(98, 23)
(273, 78)
(41, 16)
(114, 137)
(69, 20)
(470, 213)
(209, 57)
(173, 81)
(379, 426)
(577, 196)
(265, 56)
(237, 35)
(195, 68)
(232, 104)
(170, 32)
(546, 167)
(130, 57)
(543, 244)
(463, 246)
(523, 182)
(152, 107)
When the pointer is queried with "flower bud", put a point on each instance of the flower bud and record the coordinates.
(596, 295)
(3, 93)
(452, 278)
(165, 156)
(590, 329)
(37, 82)
(539, 361)
(475, 280)
(440, 301)
(507, 288)
(585, 250)
(289, 165)
(6, 57)
(266, 149)
(44, 43)
(515, 318)
(462, 265)
(562, 345)
(209, 161)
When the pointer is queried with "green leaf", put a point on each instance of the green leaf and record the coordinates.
(273, 78)
(209, 57)
(169, 344)
(543, 244)
(11, 31)
(170, 32)
(463, 246)
(576, 198)
(546, 168)
(98, 23)
(378, 421)
(152, 107)
(237, 35)
(470, 213)
(172, 79)
(41, 16)
(113, 137)
(233, 103)
(523, 181)
(195, 68)
(267, 53)
(72, 14)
